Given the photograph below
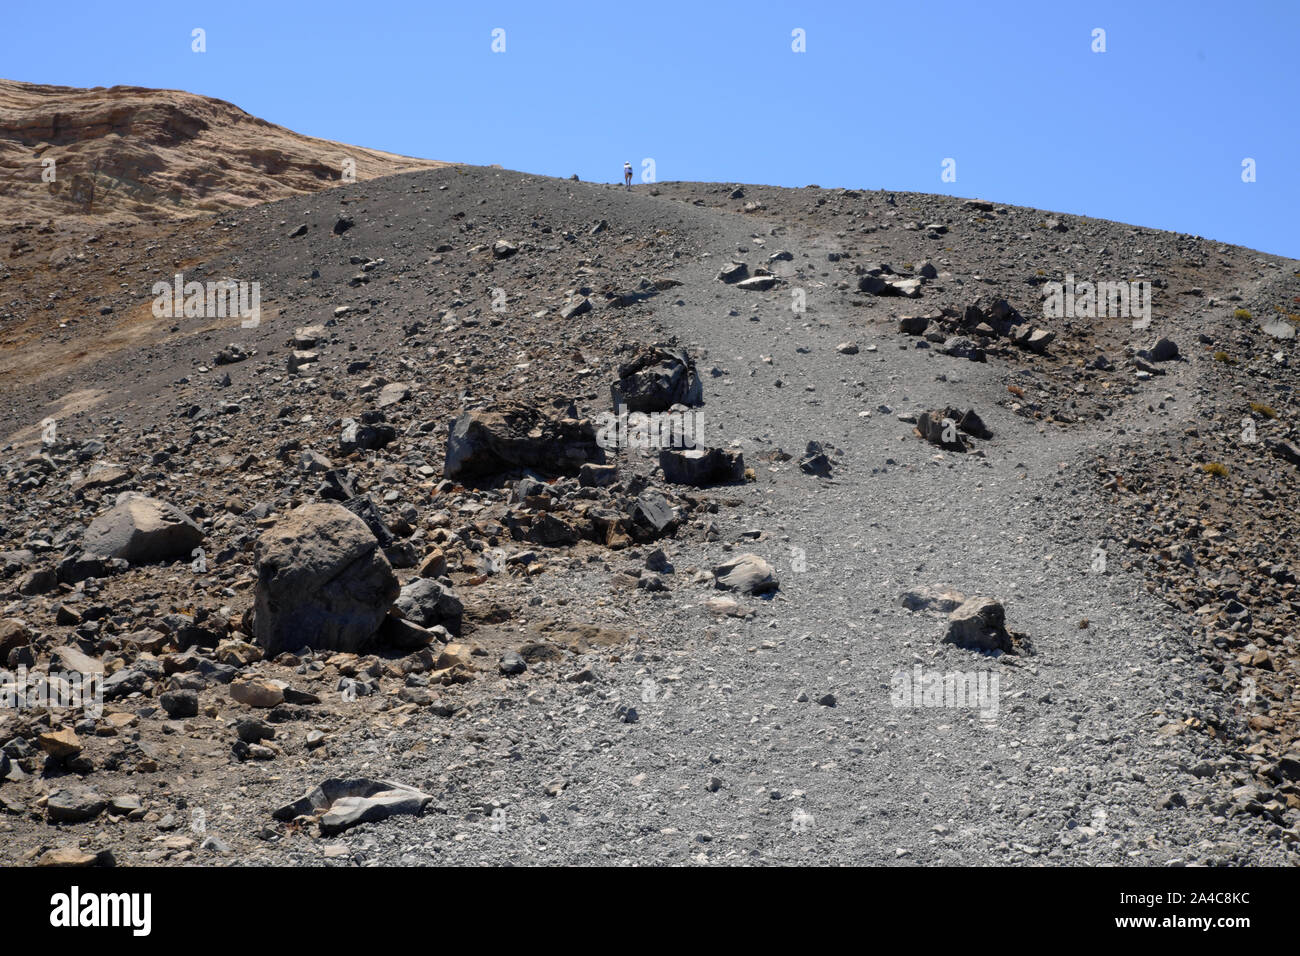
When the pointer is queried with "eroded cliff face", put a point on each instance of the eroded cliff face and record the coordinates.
(135, 154)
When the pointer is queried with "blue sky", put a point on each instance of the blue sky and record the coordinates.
(1152, 132)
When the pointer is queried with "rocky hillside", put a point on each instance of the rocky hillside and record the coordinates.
(367, 582)
(133, 154)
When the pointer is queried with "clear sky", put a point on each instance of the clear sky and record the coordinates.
(1153, 131)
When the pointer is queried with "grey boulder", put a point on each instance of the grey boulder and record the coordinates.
(322, 582)
(140, 530)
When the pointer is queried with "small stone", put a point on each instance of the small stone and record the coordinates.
(980, 624)
(180, 704)
(257, 692)
(124, 804)
(746, 573)
(453, 655)
(74, 805)
(251, 730)
(512, 663)
(67, 856)
(60, 744)
(214, 844)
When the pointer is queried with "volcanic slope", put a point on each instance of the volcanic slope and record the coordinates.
(1144, 719)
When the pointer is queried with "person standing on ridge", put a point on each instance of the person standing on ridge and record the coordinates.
(627, 175)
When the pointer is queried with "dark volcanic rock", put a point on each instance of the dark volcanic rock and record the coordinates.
(979, 624)
(815, 461)
(140, 530)
(322, 582)
(180, 703)
(1165, 350)
(366, 437)
(702, 466)
(733, 272)
(653, 512)
(427, 603)
(514, 435)
(74, 805)
(657, 379)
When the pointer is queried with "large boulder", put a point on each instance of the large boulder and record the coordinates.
(140, 530)
(74, 805)
(657, 379)
(322, 582)
(553, 532)
(914, 324)
(514, 435)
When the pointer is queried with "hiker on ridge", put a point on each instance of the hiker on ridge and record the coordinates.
(627, 175)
